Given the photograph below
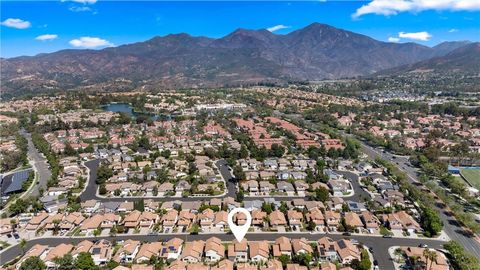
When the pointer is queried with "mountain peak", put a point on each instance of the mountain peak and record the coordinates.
(318, 51)
(245, 38)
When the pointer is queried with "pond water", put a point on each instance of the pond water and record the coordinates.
(128, 109)
(120, 107)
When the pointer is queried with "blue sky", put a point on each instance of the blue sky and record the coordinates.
(32, 27)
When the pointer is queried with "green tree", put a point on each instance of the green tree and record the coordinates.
(461, 259)
(277, 150)
(69, 151)
(144, 143)
(431, 222)
(240, 196)
(33, 263)
(303, 258)
(267, 208)
(322, 194)
(284, 259)
(102, 189)
(103, 173)
(239, 173)
(84, 261)
(65, 263)
(112, 264)
(23, 244)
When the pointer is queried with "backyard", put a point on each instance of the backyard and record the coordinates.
(472, 176)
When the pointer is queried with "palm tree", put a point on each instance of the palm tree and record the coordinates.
(13, 223)
(433, 258)
(56, 226)
(23, 244)
(426, 255)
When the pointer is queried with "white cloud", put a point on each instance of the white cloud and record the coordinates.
(453, 30)
(16, 23)
(393, 7)
(90, 42)
(85, 1)
(423, 36)
(46, 37)
(80, 9)
(393, 39)
(277, 27)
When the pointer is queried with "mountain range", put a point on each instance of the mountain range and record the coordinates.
(316, 52)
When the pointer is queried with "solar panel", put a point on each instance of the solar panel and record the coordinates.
(18, 179)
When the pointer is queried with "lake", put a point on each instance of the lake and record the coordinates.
(127, 108)
(120, 107)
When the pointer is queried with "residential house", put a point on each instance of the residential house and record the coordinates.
(58, 251)
(214, 249)
(371, 222)
(277, 220)
(172, 249)
(301, 246)
(223, 265)
(35, 251)
(353, 221)
(332, 220)
(326, 249)
(295, 220)
(282, 246)
(206, 219)
(259, 251)
(83, 246)
(185, 219)
(127, 251)
(238, 251)
(266, 187)
(347, 251)
(286, 187)
(258, 218)
(193, 251)
(315, 215)
(169, 220)
(101, 252)
(221, 220)
(148, 250)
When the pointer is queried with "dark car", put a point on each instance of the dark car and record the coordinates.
(346, 234)
(387, 236)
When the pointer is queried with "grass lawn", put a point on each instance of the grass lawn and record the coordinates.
(472, 176)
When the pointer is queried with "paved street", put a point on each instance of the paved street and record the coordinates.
(380, 245)
(451, 226)
(91, 189)
(228, 177)
(39, 164)
(360, 195)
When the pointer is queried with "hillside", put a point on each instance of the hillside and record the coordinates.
(315, 52)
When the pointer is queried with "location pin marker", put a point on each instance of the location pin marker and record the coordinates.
(239, 231)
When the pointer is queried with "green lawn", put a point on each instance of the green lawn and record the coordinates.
(472, 176)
